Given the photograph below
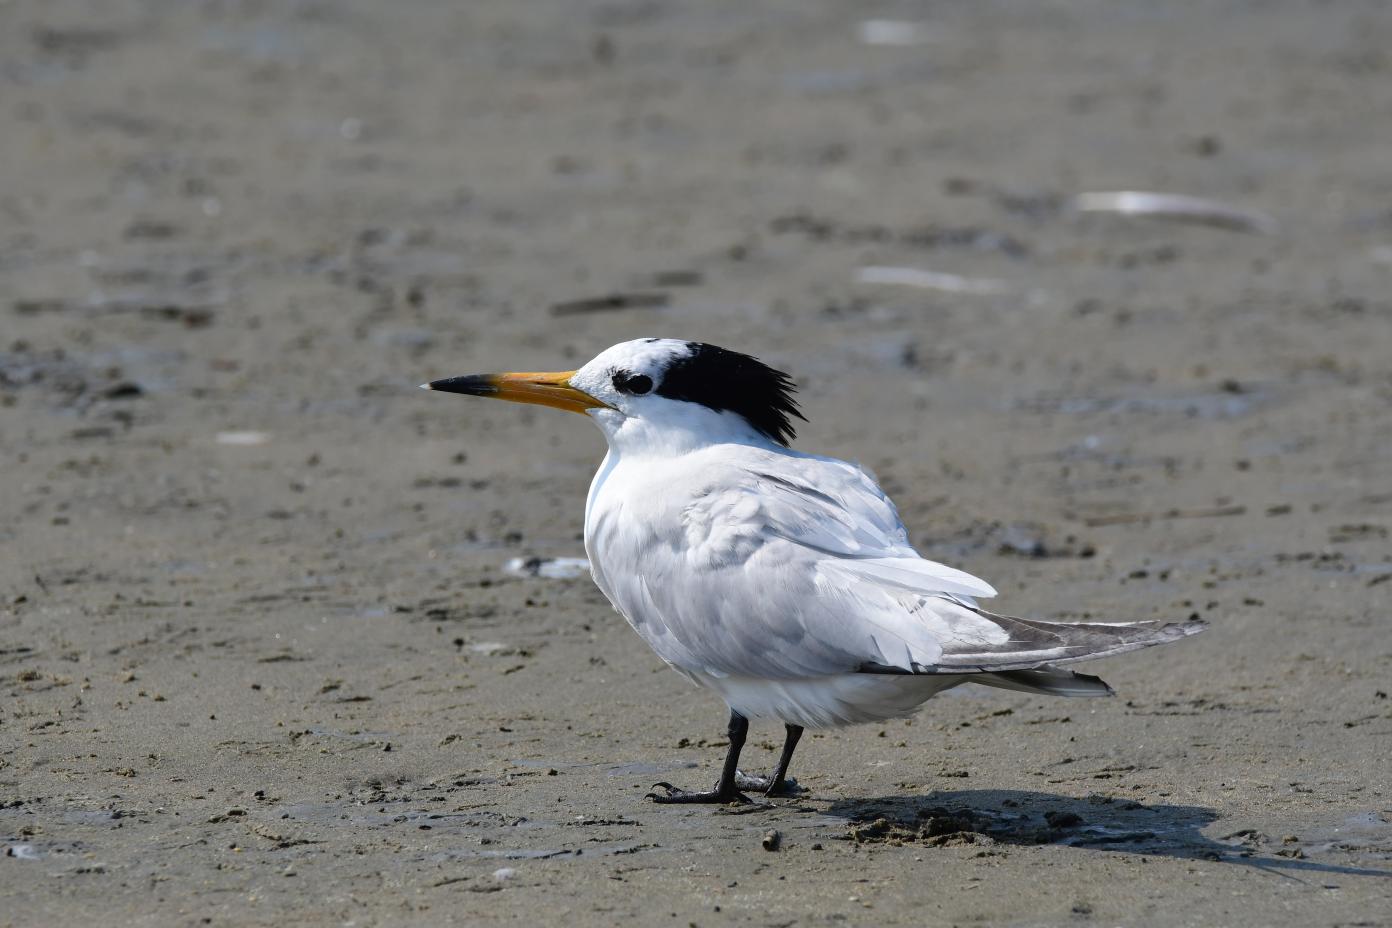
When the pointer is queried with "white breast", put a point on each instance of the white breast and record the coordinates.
(630, 524)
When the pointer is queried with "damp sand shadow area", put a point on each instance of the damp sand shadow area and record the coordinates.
(1003, 818)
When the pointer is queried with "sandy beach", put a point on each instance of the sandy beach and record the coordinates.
(260, 657)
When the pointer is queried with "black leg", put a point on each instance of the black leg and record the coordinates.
(789, 746)
(725, 790)
(778, 784)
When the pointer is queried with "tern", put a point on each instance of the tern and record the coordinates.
(783, 581)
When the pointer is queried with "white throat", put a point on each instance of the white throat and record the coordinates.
(683, 428)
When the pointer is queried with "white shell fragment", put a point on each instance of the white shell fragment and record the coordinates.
(892, 32)
(1177, 206)
(552, 568)
(245, 438)
(933, 280)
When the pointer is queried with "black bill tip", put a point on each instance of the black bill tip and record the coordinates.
(470, 385)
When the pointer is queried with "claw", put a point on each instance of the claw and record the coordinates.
(662, 785)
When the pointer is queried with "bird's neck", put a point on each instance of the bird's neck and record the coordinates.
(690, 430)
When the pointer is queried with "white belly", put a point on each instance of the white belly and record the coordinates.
(826, 702)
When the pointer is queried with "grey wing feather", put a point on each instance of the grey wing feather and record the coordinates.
(1032, 644)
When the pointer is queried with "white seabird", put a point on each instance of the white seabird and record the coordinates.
(783, 581)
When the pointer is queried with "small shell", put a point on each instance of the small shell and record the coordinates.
(551, 568)
(243, 438)
(896, 32)
(933, 280)
(1177, 206)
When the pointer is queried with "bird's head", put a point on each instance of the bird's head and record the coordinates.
(657, 386)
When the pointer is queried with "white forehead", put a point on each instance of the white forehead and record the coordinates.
(649, 356)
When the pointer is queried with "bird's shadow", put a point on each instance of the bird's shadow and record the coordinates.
(1023, 817)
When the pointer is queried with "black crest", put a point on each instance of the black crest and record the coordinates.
(729, 380)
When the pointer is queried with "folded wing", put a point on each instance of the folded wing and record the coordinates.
(802, 567)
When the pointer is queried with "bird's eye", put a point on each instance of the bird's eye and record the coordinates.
(636, 384)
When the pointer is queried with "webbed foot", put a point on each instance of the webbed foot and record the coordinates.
(766, 785)
(673, 794)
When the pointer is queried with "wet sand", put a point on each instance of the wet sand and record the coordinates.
(261, 663)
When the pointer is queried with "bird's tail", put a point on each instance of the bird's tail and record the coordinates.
(1050, 681)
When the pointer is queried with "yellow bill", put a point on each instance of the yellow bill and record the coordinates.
(539, 389)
